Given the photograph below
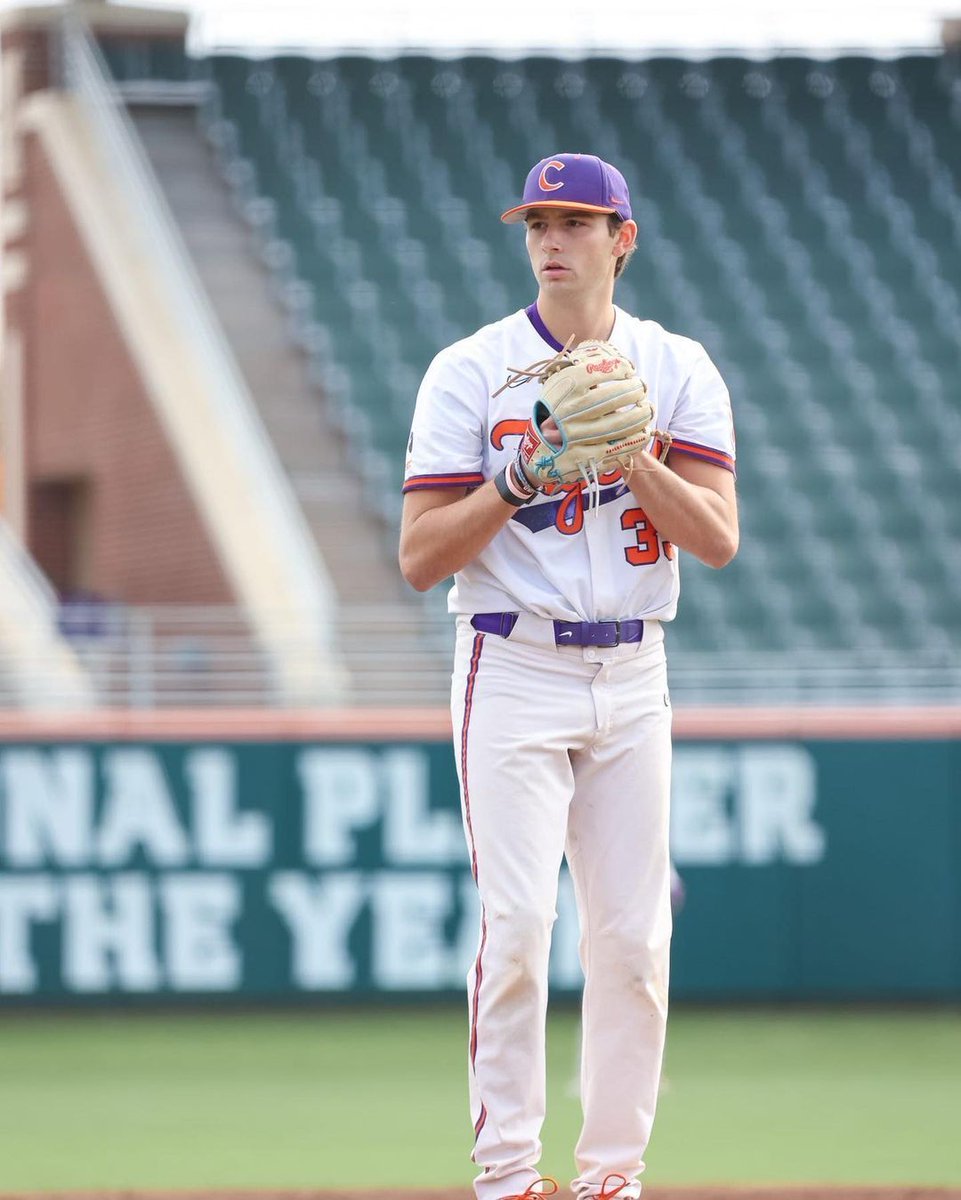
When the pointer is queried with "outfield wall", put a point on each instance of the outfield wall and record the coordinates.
(283, 857)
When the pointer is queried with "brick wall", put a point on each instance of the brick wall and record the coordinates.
(88, 421)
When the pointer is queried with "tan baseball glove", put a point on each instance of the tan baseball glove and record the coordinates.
(599, 407)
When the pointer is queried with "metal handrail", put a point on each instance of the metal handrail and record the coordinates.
(172, 656)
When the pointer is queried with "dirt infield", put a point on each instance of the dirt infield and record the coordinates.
(810, 1192)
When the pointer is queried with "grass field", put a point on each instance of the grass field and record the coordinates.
(347, 1099)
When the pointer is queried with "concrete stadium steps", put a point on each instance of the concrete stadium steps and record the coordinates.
(292, 409)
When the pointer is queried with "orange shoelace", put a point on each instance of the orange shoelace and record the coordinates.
(604, 1194)
(530, 1194)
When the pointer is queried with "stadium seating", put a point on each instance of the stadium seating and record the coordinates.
(801, 218)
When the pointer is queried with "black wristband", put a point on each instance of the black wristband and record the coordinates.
(517, 478)
(507, 492)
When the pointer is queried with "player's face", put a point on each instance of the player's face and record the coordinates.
(571, 250)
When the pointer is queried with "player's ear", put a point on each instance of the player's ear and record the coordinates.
(626, 237)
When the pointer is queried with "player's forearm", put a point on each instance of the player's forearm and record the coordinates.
(694, 518)
(440, 541)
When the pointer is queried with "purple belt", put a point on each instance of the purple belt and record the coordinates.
(566, 633)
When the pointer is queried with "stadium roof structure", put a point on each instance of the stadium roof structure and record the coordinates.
(568, 29)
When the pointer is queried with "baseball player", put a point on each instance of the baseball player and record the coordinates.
(560, 527)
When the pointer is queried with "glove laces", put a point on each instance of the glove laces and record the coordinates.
(530, 1194)
(590, 474)
(537, 370)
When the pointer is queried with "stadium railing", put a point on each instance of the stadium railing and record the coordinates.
(169, 656)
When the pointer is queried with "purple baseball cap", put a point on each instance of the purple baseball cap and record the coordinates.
(581, 181)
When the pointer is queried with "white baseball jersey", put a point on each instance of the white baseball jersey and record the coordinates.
(554, 558)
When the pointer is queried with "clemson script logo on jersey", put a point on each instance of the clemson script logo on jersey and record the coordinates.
(604, 367)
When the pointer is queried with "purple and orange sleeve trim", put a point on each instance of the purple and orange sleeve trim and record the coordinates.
(705, 453)
(453, 479)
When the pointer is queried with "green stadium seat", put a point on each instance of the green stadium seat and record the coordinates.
(801, 217)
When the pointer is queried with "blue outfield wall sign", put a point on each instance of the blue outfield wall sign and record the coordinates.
(287, 869)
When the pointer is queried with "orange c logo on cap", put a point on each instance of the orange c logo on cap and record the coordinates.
(544, 183)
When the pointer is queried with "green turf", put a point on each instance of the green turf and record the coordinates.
(378, 1098)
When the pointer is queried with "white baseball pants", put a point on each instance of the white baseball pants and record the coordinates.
(565, 749)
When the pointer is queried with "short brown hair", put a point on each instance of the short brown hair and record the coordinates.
(614, 222)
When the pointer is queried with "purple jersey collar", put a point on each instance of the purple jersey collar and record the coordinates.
(537, 321)
(535, 318)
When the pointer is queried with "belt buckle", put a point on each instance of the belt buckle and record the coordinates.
(610, 633)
